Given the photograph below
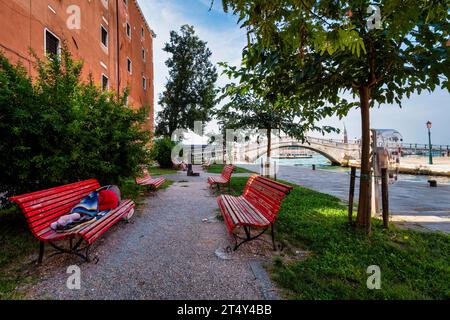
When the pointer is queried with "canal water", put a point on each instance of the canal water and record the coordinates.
(323, 163)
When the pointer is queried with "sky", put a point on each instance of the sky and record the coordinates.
(226, 41)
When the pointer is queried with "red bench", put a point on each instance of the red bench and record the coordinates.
(224, 178)
(258, 208)
(151, 182)
(42, 208)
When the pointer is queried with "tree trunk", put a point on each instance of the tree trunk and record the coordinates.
(224, 148)
(363, 218)
(269, 153)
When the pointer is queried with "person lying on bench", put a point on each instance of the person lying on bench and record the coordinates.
(91, 208)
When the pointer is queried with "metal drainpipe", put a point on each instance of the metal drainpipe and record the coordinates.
(118, 47)
(29, 60)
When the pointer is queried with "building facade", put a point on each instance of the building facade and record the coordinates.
(112, 37)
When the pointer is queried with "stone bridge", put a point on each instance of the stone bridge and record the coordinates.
(336, 151)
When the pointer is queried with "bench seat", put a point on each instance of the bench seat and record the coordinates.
(87, 232)
(257, 207)
(151, 182)
(224, 178)
(217, 180)
(240, 212)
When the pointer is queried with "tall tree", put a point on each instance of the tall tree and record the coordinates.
(252, 104)
(248, 111)
(190, 92)
(379, 51)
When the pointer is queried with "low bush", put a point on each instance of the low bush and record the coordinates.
(162, 152)
(56, 129)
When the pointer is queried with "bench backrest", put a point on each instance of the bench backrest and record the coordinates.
(44, 207)
(266, 195)
(227, 171)
(143, 178)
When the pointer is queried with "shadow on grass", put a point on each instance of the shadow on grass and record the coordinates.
(414, 265)
(16, 243)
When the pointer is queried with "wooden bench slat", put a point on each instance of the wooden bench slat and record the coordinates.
(245, 212)
(39, 194)
(149, 181)
(92, 227)
(58, 202)
(49, 235)
(227, 214)
(154, 181)
(42, 202)
(64, 208)
(224, 177)
(95, 230)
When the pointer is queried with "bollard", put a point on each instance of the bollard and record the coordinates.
(351, 195)
(191, 173)
(275, 170)
(314, 167)
(385, 196)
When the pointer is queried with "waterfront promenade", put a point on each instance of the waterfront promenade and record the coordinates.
(412, 203)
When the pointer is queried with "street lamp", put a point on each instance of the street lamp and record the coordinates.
(429, 125)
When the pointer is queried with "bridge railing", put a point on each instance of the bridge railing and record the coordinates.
(421, 146)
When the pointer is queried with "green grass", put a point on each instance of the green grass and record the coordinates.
(217, 168)
(414, 265)
(130, 189)
(16, 243)
(157, 171)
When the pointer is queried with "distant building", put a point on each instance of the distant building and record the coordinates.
(345, 134)
(112, 37)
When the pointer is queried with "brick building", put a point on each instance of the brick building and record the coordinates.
(112, 37)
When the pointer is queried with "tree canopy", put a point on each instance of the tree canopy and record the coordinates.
(190, 92)
(378, 51)
(253, 103)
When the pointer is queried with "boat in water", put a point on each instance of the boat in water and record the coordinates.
(294, 153)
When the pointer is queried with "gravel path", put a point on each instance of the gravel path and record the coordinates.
(166, 252)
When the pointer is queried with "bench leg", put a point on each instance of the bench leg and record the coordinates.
(247, 233)
(248, 237)
(272, 229)
(88, 259)
(74, 250)
(41, 251)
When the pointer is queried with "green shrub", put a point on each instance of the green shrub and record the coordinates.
(162, 152)
(57, 129)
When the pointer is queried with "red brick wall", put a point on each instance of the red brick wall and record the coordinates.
(22, 25)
